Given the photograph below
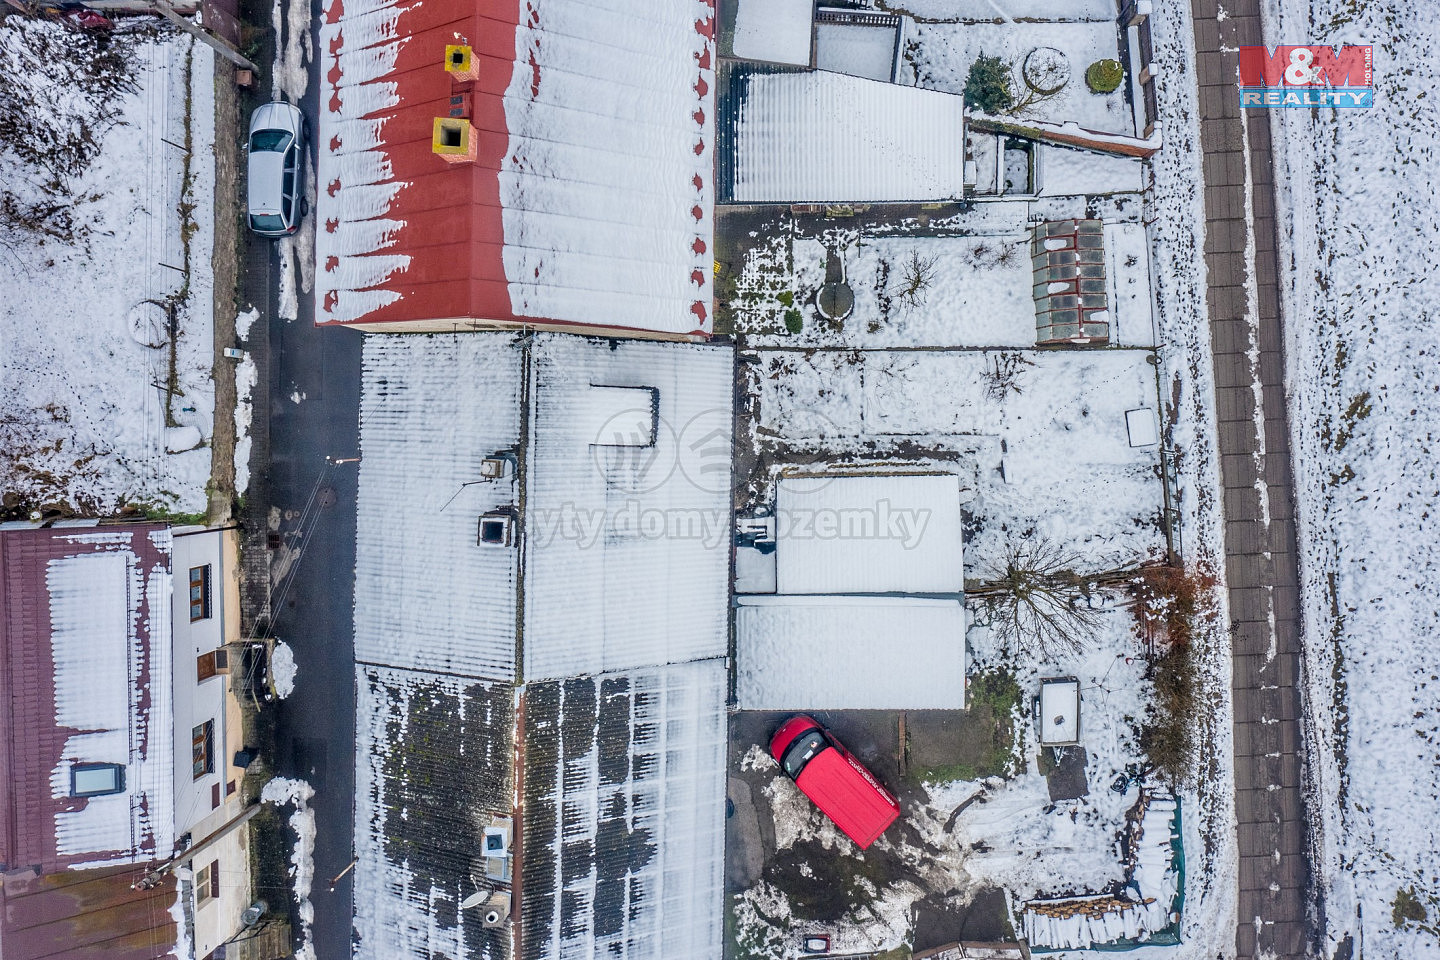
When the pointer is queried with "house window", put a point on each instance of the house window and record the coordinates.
(207, 883)
(96, 779)
(200, 593)
(202, 753)
(209, 664)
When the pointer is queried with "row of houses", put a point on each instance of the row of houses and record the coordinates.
(553, 164)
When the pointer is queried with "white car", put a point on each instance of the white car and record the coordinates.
(275, 192)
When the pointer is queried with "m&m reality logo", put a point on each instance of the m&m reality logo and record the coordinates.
(1310, 75)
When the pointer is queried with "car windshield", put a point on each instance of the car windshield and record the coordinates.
(266, 221)
(264, 141)
(801, 750)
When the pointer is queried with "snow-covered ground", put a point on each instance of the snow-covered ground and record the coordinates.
(84, 350)
(1041, 439)
(940, 54)
(1360, 217)
(1049, 458)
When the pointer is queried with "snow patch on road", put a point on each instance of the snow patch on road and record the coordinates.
(282, 791)
(282, 669)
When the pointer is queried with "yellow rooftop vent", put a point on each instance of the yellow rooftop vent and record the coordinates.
(461, 64)
(454, 140)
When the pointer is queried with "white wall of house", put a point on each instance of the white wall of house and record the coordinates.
(204, 621)
(218, 919)
(199, 629)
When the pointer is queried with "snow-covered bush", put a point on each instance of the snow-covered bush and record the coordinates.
(1104, 76)
(1046, 71)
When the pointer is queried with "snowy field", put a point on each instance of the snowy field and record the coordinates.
(84, 350)
(1362, 222)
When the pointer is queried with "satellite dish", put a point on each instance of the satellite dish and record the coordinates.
(475, 899)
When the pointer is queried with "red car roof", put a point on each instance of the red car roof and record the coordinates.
(849, 795)
(843, 789)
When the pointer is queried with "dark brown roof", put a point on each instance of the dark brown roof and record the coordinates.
(86, 915)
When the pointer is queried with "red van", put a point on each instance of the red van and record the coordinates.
(826, 773)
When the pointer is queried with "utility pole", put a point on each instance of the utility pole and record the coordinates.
(163, 8)
(189, 853)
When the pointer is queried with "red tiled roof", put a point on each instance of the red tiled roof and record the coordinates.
(589, 200)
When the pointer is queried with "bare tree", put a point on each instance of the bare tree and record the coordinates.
(916, 276)
(1039, 603)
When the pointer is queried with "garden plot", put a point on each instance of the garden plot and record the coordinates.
(920, 291)
(96, 385)
(940, 55)
(1043, 431)
(974, 289)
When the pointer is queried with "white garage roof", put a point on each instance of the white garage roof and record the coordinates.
(823, 137)
(869, 534)
(775, 31)
(850, 653)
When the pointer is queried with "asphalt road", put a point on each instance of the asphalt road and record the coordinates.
(312, 607)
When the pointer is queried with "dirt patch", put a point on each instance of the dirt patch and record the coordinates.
(967, 744)
(225, 264)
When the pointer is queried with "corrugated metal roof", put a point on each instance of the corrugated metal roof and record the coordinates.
(627, 547)
(434, 757)
(77, 914)
(821, 137)
(869, 534)
(589, 201)
(79, 684)
(849, 653)
(427, 595)
(624, 815)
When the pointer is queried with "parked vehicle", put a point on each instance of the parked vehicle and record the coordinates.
(830, 776)
(275, 188)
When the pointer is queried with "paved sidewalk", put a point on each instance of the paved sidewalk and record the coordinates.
(1255, 462)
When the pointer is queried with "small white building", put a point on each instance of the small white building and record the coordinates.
(1057, 712)
(821, 137)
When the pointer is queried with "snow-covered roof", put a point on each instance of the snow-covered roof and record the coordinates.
(434, 755)
(1058, 712)
(427, 595)
(588, 197)
(869, 534)
(624, 795)
(774, 31)
(860, 43)
(626, 559)
(849, 653)
(823, 137)
(85, 678)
